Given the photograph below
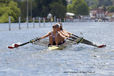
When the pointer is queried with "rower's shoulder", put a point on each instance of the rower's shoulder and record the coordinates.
(49, 32)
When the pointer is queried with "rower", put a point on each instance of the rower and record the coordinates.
(63, 32)
(55, 38)
(68, 34)
(76, 38)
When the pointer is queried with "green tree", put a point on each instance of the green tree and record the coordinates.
(4, 14)
(23, 6)
(111, 8)
(58, 10)
(99, 3)
(44, 7)
(104, 3)
(92, 3)
(15, 11)
(70, 8)
(9, 9)
(79, 7)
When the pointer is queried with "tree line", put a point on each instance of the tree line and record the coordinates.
(8, 8)
(41, 8)
(78, 7)
(31, 8)
(108, 4)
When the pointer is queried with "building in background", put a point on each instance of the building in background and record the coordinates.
(98, 14)
(70, 16)
(110, 16)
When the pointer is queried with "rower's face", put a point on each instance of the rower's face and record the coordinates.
(58, 29)
(54, 29)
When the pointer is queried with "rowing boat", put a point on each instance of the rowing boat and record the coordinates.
(61, 47)
(54, 47)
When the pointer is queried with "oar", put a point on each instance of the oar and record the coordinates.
(84, 41)
(77, 40)
(18, 45)
(75, 36)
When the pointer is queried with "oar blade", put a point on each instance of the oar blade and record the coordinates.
(13, 46)
(16, 45)
(10, 47)
(101, 46)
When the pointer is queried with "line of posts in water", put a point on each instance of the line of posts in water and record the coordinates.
(33, 22)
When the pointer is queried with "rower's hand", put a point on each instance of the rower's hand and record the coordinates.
(33, 40)
(37, 39)
(66, 37)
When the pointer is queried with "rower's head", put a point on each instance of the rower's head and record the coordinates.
(60, 26)
(55, 27)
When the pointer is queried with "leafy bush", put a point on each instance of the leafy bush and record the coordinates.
(11, 10)
(111, 9)
(79, 7)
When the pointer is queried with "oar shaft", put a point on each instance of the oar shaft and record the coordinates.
(75, 35)
(29, 42)
(87, 42)
(24, 44)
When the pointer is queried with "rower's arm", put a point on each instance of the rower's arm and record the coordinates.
(45, 36)
(62, 35)
(68, 32)
(65, 33)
